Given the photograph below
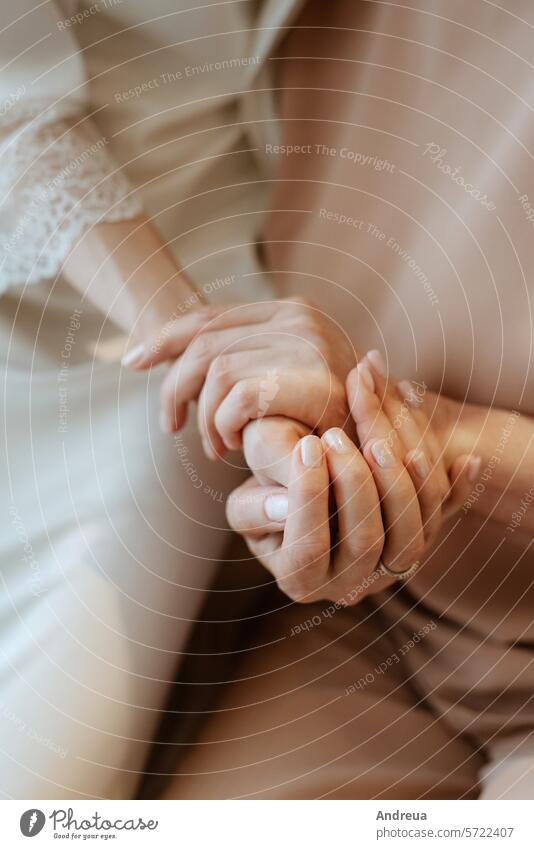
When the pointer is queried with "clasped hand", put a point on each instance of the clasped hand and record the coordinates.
(350, 468)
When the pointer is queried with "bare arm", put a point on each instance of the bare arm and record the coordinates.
(126, 271)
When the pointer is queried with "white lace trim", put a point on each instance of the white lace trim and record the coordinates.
(57, 178)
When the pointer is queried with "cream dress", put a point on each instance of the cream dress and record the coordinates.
(109, 530)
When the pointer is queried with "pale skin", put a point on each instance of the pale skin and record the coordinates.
(125, 270)
(454, 429)
(417, 464)
(391, 495)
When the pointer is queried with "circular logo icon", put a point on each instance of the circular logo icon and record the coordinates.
(32, 822)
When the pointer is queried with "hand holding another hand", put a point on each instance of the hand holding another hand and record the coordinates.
(246, 361)
(391, 497)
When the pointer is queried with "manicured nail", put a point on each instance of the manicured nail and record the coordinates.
(473, 468)
(377, 361)
(134, 356)
(365, 377)
(311, 451)
(420, 463)
(165, 422)
(276, 507)
(337, 440)
(407, 392)
(383, 454)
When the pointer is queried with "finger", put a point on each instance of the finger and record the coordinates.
(413, 394)
(396, 408)
(224, 373)
(428, 489)
(185, 378)
(401, 513)
(360, 528)
(191, 369)
(403, 404)
(171, 340)
(463, 474)
(268, 446)
(317, 404)
(257, 510)
(266, 549)
(302, 565)
(176, 335)
(366, 409)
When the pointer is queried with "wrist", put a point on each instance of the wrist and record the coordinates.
(172, 300)
(453, 423)
(125, 269)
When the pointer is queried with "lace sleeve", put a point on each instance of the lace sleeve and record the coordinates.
(57, 178)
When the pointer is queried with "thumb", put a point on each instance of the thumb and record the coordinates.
(463, 475)
(268, 445)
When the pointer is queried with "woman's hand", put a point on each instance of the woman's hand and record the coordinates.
(390, 499)
(248, 361)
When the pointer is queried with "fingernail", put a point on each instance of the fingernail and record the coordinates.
(420, 463)
(473, 468)
(377, 361)
(276, 507)
(383, 454)
(365, 377)
(165, 422)
(134, 356)
(311, 451)
(407, 392)
(337, 440)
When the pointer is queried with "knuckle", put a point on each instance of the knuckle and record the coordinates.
(416, 550)
(405, 490)
(366, 547)
(206, 313)
(245, 395)
(298, 590)
(307, 556)
(291, 590)
(201, 349)
(355, 476)
(221, 368)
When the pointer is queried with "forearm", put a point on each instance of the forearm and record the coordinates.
(126, 271)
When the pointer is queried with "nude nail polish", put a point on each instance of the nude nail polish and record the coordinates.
(276, 507)
(134, 356)
(311, 451)
(383, 454)
(377, 361)
(337, 440)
